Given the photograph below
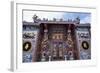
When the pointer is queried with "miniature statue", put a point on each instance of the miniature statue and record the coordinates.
(78, 20)
(35, 18)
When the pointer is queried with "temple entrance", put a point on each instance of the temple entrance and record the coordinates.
(56, 43)
(57, 37)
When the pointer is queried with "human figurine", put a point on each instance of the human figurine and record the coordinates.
(65, 57)
(66, 53)
(43, 56)
(70, 54)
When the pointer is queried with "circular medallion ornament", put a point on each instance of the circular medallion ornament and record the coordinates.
(27, 46)
(85, 45)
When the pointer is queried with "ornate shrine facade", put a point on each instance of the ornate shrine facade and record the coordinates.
(56, 41)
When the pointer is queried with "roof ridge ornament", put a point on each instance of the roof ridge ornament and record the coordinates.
(36, 19)
(78, 20)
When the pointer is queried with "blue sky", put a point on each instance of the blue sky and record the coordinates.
(84, 17)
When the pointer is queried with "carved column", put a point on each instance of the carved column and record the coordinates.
(69, 43)
(44, 45)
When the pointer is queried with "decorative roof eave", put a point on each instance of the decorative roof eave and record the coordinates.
(56, 22)
(48, 22)
(83, 25)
